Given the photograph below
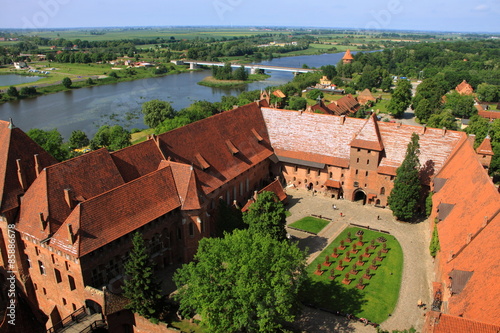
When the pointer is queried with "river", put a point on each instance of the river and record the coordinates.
(89, 108)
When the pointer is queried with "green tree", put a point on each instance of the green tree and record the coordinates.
(51, 141)
(488, 92)
(330, 71)
(171, 124)
(297, 103)
(313, 94)
(113, 138)
(460, 105)
(240, 74)
(78, 139)
(434, 247)
(229, 218)
(28, 91)
(423, 110)
(12, 92)
(267, 216)
(405, 195)
(140, 286)
(156, 111)
(443, 119)
(242, 282)
(428, 204)
(66, 82)
(400, 99)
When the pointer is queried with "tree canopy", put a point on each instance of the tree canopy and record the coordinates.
(140, 286)
(78, 139)
(244, 281)
(156, 111)
(51, 141)
(267, 216)
(401, 98)
(66, 82)
(113, 138)
(405, 195)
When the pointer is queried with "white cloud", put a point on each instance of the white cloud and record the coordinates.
(481, 8)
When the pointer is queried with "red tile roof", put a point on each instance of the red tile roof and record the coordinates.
(368, 136)
(489, 114)
(137, 160)
(204, 145)
(15, 144)
(332, 183)
(186, 184)
(468, 235)
(278, 93)
(464, 88)
(86, 176)
(344, 106)
(365, 96)
(347, 55)
(326, 139)
(485, 147)
(444, 323)
(110, 215)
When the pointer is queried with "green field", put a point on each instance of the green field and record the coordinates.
(380, 295)
(309, 223)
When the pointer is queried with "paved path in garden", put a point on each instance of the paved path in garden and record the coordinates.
(414, 240)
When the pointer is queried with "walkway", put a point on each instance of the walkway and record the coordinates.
(82, 324)
(414, 240)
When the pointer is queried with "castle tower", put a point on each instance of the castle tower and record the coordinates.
(485, 152)
(347, 58)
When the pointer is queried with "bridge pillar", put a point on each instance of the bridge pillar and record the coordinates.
(193, 65)
(253, 70)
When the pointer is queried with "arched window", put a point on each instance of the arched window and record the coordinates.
(382, 191)
(331, 175)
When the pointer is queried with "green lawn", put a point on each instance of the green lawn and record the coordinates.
(379, 297)
(309, 223)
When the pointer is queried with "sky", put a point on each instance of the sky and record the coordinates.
(419, 15)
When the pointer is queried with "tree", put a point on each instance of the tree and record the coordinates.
(297, 103)
(78, 139)
(140, 286)
(314, 94)
(229, 218)
(156, 111)
(401, 98)
(240, 74)
(113, 138)
(66, 82)
(267, 216)
(51, 141)
(460, 105)
(28, 91)
(423, 110)
(434, 247)
(443, 119)
(428, 204)
(12, 92)
(488, 92)
(242, 282)
(405, 195)
(330, 71)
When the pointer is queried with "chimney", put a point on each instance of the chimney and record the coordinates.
(37, 165)
(342, 119)
(71, 235)
(67, 197)
(424, 129)
(399, 124)
(255, 195)
(472, 139)
(444, 131)
(20, 175)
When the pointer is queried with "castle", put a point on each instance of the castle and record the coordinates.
(74, 220)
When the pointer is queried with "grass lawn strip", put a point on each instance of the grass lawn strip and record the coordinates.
(379, 297)
(309, 223)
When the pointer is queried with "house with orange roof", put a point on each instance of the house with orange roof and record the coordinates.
(76, 218)
(347, 58)
(365, 96)
(464, 88)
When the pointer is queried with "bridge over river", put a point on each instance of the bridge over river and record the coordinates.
(193, 64)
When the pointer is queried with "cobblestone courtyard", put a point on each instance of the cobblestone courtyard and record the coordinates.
(414, 240)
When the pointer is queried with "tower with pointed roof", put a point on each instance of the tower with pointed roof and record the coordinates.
(485, 152)
(347, 58)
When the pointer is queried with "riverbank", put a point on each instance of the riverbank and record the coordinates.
(210, 81)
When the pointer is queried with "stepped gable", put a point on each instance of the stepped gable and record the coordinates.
(113, 214)
(85, 176)
(204, 144)
(186, 184)
(368, 136)
(365, 96)
(435, 145)
(464, 88)
(16, 145)
(485, 147)
(311, 137)
(137, 160)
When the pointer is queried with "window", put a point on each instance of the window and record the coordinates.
(356, 171)
(382, 191)
(366, 173)
(248, 185)
(367, 162)
(71, 281)
(42, 267)
(29, 262)
(44, 291)
(357, 160)
(64, 301)
(294, 178)
(331, 175)
(295, 168)
(241, 189)
(73, 306)
(34, 285)
(66, 264)
(342, 175)
(369, 151)
(53, 258)
(37, 251)
(308, 170)
(359, 149)
(319, 173)
(191, 229)
(58, 275)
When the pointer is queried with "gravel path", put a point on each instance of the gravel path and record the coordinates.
(414, 240)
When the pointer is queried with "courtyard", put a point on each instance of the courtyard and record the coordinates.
(413, 238)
